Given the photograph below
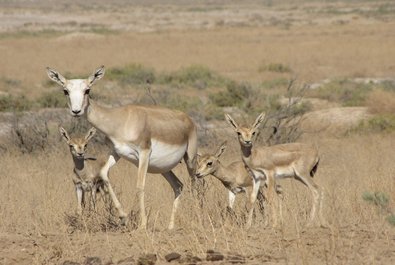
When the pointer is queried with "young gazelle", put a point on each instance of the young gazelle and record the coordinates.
(235, 177)
(87, 171)
(269, 163)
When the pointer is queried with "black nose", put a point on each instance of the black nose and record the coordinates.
(247, 142)
(76, 111)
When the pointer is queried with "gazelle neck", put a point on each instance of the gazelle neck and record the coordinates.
(246, 151)
(98, 116)
(79, 164)
(222, 174)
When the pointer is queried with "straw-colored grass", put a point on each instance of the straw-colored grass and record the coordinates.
(38, 204)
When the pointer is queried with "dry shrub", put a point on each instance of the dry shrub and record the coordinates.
(381, 102)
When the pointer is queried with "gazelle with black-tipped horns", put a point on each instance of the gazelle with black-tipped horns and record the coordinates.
(89, 174)
(269, 163)
(153, 138)
(235, 177)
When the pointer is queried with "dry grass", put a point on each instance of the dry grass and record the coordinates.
(39, 203)
(381, 102)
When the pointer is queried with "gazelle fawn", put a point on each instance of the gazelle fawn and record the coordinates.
(90, 175)
(270, 163)
(235, 177)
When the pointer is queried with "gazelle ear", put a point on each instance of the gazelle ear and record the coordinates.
(258, 120)
(231, 121)
(220, 150)
(90, 134)
(65, 135)
(97, 75)
(55, 76)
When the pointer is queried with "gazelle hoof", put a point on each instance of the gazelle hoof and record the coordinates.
(123, 220)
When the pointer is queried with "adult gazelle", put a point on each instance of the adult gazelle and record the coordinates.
(153, 138)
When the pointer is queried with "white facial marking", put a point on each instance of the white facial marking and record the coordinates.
(76, 89)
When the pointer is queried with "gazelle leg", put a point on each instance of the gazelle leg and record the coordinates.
(317, 197)
(272, 198)
(176, 185)
(141, 174)
(231, 199)
(93, 196)
(80, 196)
(112, 160)
(253, 195)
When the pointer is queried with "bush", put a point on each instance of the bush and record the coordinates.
(236, 95)
(135, 74)
(53, 99)
(377, 124)
(14, 103)
(381, 102)
(275, 67)
(196, 76)
(381, 201)
(344, 91)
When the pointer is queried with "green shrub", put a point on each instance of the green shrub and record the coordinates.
(236, 94)
(275, 67)
(377, 198)
(380, 200)
(196, 76)
(135, 74)
(377, 124)
(14, 103)
(344, 91)
(53, 99)
(391, 219)
(275, 83)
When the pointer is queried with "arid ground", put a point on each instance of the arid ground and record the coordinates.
(258, 42)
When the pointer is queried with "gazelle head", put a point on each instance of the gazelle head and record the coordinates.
(246, 135)
(77, 145)
(208, 164)
(76, 90)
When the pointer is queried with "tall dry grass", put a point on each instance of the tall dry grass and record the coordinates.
(37, 199)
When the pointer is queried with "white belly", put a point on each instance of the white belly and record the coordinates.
(163, 157)
(282, 173)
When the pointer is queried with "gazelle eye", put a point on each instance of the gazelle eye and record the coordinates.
(238, 133)
(66, 92)
(85, 146)
(87, 92)
(210, 164)
(253, 133)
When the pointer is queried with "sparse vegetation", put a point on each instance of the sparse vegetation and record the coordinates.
(344, 91)
(275, 67)
(383, 123)
(381, 201)
(196, 76)
(14, 103)
(236, 95)
(53, 99)
(132, 74)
